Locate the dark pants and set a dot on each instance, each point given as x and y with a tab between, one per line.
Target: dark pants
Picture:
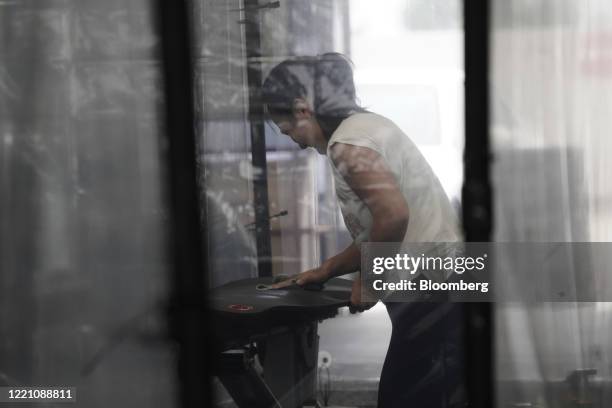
424	367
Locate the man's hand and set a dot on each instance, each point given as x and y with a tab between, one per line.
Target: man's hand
317	275
356	303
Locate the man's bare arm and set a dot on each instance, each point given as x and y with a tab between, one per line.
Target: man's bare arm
367	174
347	261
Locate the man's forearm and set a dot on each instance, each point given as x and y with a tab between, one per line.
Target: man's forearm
389	229
347	261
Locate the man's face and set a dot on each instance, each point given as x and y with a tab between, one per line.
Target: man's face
298	132
302	127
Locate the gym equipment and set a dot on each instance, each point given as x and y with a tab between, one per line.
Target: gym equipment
266	341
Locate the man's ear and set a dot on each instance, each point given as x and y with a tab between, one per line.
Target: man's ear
301	109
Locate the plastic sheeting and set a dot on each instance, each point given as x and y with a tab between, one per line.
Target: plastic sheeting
82	234
551	98
408	66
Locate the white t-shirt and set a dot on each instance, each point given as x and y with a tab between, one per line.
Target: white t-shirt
431	217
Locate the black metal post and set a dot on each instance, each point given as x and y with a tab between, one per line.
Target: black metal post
188	314
252	20
476	194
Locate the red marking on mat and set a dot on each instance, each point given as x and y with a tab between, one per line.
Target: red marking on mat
240	308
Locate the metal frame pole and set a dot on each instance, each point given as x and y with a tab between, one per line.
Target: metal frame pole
188	313
258	142
476	196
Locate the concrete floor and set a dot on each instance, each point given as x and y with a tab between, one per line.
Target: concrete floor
357	343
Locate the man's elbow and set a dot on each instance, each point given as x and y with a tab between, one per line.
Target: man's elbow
401	225
395	225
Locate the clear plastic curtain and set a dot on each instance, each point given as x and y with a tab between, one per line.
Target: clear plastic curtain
407	59
83	269
551	102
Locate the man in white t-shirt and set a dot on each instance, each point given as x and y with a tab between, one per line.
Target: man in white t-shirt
387	193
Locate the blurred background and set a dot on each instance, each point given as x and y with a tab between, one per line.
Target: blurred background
84	247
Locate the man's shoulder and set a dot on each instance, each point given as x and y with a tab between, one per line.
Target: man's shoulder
366	124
